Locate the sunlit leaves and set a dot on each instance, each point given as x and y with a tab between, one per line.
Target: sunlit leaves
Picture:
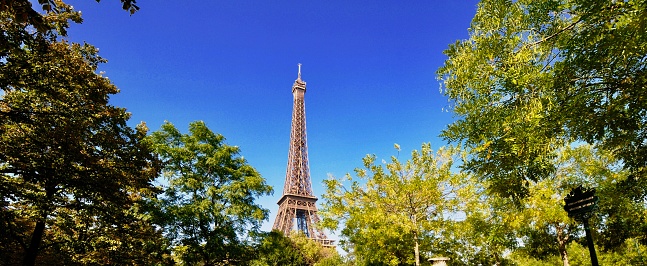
536	75
389	209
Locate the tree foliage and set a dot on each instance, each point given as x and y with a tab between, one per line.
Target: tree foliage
65	153
536	78
22	11
73	174
536	75
276	249
208	207
619	216
486	234
392	213
545	233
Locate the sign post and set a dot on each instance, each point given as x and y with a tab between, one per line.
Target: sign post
580	204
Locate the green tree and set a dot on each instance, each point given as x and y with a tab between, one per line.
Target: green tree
63	148
486	234
392	212
540	220
314	252
208	207
73	175
87	240
620	216
537	75
632	253
276	249
542	224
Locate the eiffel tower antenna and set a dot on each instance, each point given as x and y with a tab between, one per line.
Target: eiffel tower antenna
298	206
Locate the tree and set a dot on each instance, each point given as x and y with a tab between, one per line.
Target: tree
619	216
537	75
542	228
87	240
391	212
540	220
63	148
275	249
23	12
486	234
208	207
313	252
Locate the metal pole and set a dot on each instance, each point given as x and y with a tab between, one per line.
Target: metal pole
589	240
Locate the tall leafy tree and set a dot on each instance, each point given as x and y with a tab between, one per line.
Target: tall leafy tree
72	172
390	213
542	226
63	147
536	75
208	208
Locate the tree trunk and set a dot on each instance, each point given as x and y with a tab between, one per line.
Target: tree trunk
563	254
562	238
416	248
37	235
34	245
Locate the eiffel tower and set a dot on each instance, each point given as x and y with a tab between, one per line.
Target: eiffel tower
298	202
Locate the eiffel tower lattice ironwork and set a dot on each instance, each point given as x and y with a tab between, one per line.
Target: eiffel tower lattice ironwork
298	203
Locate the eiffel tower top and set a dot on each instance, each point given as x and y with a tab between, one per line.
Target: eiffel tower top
299	76
299	83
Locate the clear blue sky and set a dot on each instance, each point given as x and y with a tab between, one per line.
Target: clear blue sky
369	67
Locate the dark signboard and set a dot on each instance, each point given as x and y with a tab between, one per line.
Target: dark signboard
580	201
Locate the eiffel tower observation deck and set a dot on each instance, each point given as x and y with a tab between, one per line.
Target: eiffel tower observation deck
297	206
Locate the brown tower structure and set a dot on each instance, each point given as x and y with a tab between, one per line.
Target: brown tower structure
297	205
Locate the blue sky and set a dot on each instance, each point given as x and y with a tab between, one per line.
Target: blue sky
369	67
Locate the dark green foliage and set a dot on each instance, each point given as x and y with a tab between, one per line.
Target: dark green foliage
539	243
276	249
72	172
602	79
208	208
619	217
64	150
